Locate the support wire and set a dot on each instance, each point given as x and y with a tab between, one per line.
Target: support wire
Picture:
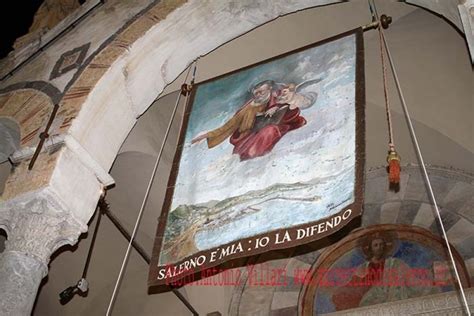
144	255
422	163
145	199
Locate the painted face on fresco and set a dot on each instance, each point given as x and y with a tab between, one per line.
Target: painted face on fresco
378	248
262	94
285	91
286	95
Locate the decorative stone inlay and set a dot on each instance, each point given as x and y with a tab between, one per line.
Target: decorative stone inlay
69	60
37	224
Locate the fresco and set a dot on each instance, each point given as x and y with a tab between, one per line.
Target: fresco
382	266
268	147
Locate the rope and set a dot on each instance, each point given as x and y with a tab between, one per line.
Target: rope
422	163
391	143
145	199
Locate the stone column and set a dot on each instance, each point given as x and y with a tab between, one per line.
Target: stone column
36	226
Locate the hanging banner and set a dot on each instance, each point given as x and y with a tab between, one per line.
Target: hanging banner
269	157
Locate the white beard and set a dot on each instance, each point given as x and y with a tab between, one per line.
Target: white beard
260	101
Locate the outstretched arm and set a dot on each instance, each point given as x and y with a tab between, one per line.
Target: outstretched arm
218	135
199	138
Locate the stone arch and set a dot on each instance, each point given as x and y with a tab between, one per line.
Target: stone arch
410	206
41	86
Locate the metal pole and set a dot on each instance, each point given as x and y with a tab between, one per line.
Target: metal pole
91	247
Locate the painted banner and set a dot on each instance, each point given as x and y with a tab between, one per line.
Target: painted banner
269	157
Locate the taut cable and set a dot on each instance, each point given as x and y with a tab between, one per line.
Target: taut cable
145	199
422	163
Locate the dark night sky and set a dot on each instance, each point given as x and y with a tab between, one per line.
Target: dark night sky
16	17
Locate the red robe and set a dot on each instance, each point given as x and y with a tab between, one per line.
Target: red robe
250	143
349	295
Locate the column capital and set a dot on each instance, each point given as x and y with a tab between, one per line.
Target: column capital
37	224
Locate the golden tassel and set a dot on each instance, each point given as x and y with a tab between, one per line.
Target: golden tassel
393	160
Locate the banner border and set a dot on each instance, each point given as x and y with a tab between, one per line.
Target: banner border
318	240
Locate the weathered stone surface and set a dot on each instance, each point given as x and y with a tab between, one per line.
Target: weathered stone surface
256	301
459	195
294	266
466	247
417	188
37	224
467	209
80	196
425	215
20	276
460	231
284	299
9	138
408	212
389	212
288	311
376	188
21	180
371	214
470	267
448	218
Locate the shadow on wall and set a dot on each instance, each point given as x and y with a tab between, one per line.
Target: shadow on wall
9	138
3	237
9	143
4	172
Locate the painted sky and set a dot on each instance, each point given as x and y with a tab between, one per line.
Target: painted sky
321	148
